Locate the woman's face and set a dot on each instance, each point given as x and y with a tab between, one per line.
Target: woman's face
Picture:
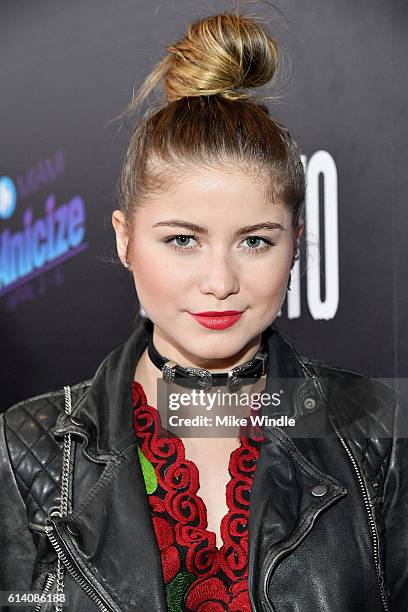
194	249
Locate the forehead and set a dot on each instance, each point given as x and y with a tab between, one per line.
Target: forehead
214	196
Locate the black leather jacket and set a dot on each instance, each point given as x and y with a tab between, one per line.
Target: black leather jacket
343	549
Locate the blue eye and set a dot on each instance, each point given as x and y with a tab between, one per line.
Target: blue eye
253	238
184	240
254	249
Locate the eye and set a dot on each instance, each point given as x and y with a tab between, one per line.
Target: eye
183	241
254	244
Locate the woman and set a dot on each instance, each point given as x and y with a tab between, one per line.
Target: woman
306	513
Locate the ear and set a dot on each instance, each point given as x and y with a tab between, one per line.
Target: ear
122	234
299	230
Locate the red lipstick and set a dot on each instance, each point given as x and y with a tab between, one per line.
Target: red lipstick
215	319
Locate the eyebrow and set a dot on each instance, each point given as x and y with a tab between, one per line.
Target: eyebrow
268	225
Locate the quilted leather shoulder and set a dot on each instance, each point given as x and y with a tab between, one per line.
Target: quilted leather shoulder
364	408
35	454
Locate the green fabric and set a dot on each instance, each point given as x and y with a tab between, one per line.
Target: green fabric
149	474
176	589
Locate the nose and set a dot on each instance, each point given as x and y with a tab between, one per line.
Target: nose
219	276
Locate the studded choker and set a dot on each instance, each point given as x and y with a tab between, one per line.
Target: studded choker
201	378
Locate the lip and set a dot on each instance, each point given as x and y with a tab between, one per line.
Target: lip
216	319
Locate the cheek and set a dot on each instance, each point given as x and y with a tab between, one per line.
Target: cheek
157	277
266	281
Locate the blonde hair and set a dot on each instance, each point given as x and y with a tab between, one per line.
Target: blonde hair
208	117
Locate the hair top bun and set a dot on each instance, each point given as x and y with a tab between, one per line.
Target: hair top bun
220	54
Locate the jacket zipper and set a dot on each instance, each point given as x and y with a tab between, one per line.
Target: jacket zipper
86	586
47	586
369	513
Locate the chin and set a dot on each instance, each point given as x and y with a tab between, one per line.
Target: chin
217	346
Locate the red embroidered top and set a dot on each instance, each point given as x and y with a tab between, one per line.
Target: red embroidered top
199	576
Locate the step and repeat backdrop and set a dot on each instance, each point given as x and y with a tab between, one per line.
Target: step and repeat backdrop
67	70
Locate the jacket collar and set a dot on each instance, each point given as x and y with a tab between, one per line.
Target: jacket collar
103	415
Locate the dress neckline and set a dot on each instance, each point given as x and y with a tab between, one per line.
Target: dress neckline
167	454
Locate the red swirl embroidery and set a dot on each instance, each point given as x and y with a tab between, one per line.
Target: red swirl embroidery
180	515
